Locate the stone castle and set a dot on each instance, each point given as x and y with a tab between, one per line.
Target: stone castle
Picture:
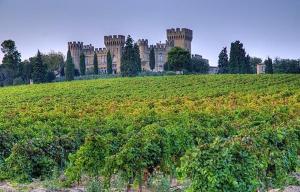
175	38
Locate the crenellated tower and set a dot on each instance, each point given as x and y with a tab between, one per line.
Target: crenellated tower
181	37
76	49
144	53
115	45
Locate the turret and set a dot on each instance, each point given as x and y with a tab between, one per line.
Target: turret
115	44
76	49
181	37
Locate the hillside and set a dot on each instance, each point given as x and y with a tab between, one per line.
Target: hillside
237	132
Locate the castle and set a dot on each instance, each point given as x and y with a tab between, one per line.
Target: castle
115	44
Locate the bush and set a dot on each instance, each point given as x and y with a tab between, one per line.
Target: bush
50	76
94	186
18	81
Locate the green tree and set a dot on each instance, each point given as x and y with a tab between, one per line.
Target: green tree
199	64
12	58
253	62
128	60
95	63
269	65
237	58
152	59
137	58
223	63
179	59
247	66
286	66
82	64
69	72
109	63
39	69
53	60
27	70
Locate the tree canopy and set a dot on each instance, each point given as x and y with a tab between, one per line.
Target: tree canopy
179	59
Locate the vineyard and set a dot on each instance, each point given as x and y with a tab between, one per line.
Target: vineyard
214	132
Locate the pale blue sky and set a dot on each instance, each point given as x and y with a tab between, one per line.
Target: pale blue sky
266	27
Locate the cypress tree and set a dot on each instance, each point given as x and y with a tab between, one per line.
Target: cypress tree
69	67
39	69
223	63
137	58
82	64
237	58
128	60
152	59
247	65
109	63
96	70
269	66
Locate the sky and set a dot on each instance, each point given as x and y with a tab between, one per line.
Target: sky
267	28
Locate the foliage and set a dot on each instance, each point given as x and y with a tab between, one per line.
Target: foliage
95	64
130	61
253	62
199	64
238	62
94	186
69	71
286	66
12	58
39	70
82	64
152	59
223	62
53	60
179	59
269	66
243	128
109	63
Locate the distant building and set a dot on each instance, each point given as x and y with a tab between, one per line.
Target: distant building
213	70
260	68
115	44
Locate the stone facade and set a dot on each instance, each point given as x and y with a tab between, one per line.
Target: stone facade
115	44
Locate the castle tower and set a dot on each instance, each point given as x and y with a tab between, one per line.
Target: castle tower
75	49
144	54
181	37
115	45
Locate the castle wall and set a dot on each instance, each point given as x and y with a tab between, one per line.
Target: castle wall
115	44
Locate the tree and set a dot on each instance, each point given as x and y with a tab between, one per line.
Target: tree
109	63
237	58
179	59
82	64
39	69
286	66
69	72
253	62
199	64
95	63
128	60
26	70
269	65
12	58
247	66
53	60
137	58
223	63
152	59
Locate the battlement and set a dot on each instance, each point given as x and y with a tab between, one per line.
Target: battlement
114	40
75	45
101	50
88	47
143	42
180	33
159	46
